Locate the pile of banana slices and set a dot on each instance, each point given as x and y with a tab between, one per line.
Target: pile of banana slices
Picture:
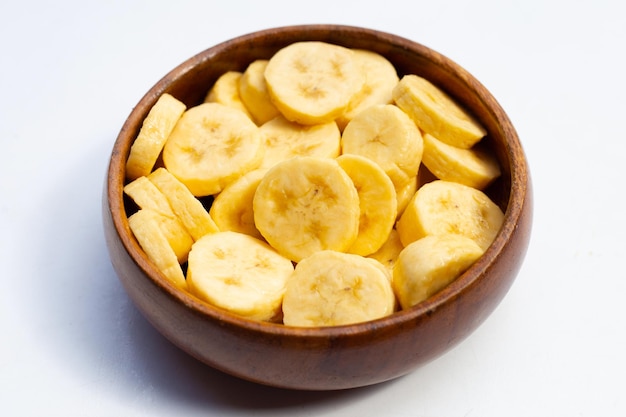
293	193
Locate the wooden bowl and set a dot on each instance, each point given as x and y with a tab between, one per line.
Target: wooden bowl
334	357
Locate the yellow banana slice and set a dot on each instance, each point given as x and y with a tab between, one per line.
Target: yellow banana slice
377	202
148	228
148	197
431	263
437	113
211	146
284	139
475	167
232	208
312	82
389	251
307	204
386	135
238	273
444	207
254	95
155	130
331	288
404	194
225	91
380	79
189	209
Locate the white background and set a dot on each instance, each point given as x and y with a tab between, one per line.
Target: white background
74	345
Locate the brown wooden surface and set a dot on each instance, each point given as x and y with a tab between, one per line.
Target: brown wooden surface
340	357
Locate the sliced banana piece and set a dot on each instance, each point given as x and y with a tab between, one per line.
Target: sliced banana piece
431	263
232	208
380	79
389	251
386	135
150	229
254	95
225	91
377	202
284	139
188	208
444	207
152	136
475	167
148	197
312	82
404	194
331	288
307	204
435	112
211	146
238	273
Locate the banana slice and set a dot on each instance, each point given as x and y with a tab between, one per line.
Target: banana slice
312	82
443	207
389	251
386	135
380	79
307	204
475	167
404	194
377	202
225	91
254	95
150	229
284	139
148	197
211	146
155	130
431	263
238	273
437	113
189	209
331	288
232	208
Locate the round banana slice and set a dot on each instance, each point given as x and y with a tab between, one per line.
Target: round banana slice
387	136
232	208
284	139
377	202
437	113
443	207
225	91
475	167
211	146
332	288
312	82
307	204
431	263
153	233
404	194
238	273
154	132
380	79
254	95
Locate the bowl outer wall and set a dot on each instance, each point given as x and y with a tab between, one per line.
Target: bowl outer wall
345	356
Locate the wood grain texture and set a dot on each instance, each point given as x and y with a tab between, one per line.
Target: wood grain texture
338	357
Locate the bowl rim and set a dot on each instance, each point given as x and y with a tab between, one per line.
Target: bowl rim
514	206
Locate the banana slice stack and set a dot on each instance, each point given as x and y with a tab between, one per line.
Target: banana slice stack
296	192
